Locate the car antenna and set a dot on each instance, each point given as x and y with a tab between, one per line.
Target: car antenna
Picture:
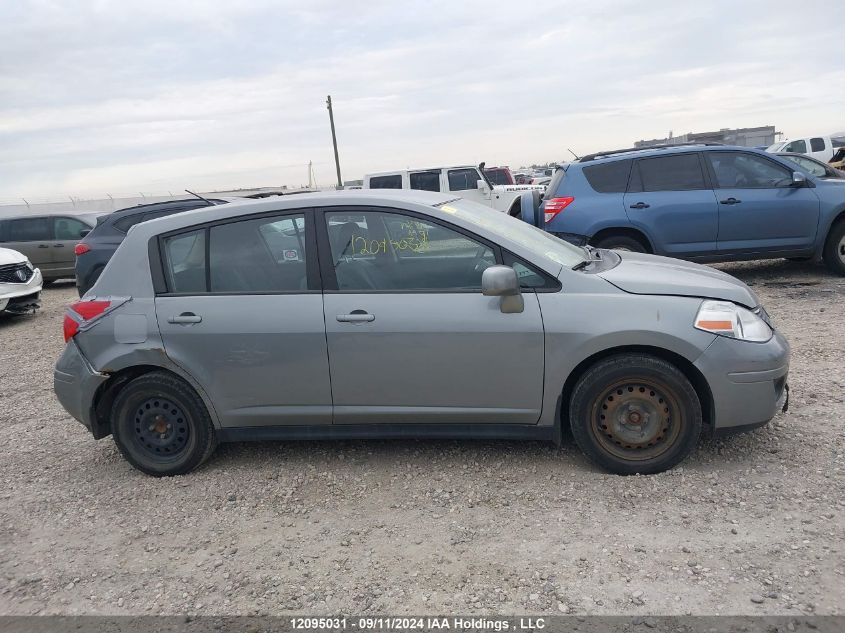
210	203
573	153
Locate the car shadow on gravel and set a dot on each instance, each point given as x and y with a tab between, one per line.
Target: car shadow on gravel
780	272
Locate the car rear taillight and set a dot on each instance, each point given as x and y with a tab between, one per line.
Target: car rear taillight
80	313
81	249
553	206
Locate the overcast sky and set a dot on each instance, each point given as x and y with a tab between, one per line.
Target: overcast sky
122	96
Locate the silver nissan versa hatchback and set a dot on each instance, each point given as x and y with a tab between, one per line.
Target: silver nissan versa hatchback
377	314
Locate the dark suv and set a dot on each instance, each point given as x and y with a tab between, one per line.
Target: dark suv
699	202
96	249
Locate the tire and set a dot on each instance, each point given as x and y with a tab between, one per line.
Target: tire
635	414
622	243
834	249
161	426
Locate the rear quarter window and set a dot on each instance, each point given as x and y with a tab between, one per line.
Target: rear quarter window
386	182
609	177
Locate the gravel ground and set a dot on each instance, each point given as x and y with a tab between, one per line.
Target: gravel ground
753	524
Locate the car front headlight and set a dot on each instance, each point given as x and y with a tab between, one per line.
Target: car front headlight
729	319
28	264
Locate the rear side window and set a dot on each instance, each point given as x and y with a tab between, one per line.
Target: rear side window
817	144
262	255
609	177
28	230
679	172
425	180
185	262
463	179
68	229
386	182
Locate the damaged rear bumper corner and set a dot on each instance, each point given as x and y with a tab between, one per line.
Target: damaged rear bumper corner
75	383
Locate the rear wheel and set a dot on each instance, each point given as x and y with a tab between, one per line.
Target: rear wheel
635	413
620	242
834	248
161	425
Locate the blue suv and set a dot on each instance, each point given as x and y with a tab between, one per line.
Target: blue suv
699	202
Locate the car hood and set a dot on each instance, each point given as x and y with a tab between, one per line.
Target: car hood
518	188
8	256
642	274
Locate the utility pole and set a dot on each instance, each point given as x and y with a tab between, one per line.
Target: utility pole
334	141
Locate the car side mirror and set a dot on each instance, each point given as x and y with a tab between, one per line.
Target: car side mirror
798	179
501	281
84	232
481	185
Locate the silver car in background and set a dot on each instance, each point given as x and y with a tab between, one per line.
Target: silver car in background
382	314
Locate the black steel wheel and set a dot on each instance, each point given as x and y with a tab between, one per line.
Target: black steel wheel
161	426
635	413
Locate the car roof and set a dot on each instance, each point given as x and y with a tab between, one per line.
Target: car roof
660	150
403	171
167	204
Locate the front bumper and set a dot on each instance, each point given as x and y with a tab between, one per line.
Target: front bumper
748	381
75	383
22	298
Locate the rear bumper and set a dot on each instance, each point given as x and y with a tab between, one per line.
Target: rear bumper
75	383
748	381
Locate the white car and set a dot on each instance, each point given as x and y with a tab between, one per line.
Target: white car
20	283
819	147
466	181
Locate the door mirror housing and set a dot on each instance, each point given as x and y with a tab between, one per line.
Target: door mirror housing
798	179
501	281
481	185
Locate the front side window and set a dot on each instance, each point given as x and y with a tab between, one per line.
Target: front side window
463	179
28	230
386	182
817	144
799	147
69	228
807	166
376	251
185	262
425	180
677	172
737	170
260	255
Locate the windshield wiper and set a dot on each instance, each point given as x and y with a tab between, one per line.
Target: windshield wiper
583	264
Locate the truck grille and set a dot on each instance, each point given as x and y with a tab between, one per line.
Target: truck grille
15	274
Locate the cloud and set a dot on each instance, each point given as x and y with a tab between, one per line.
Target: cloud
125	96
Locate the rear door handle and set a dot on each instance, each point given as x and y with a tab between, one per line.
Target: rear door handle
640	205
357	316
185	318
43	246
58	245
730	201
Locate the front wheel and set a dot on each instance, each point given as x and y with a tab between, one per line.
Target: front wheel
834	249
161	426
635	413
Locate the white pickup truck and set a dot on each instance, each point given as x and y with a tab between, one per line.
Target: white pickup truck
819	147
466	181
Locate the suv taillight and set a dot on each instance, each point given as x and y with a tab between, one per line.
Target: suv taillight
81	249
84	311
553	206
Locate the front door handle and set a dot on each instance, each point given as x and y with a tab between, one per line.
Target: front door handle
356	316
185	318
730	201
640	205
43	246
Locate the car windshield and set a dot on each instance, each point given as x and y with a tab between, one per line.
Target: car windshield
527	236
